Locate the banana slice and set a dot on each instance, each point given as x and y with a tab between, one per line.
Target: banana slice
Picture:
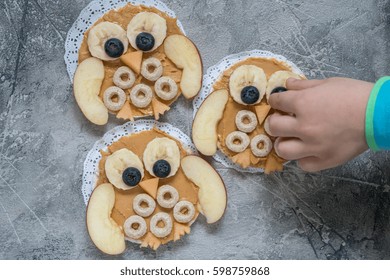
247	84
107	41
146	31
278	80
162	157
122	167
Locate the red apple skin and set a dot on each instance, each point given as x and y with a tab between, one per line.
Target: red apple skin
224	185
86	225
192	128
201	66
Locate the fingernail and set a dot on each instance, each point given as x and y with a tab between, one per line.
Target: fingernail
266	126
291	80
276	146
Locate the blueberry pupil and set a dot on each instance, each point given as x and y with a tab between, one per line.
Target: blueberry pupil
161	168
114	47
250	94
131	176
144	41
278	89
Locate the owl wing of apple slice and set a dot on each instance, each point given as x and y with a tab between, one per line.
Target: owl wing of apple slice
204	127
184	54
212	192
105	233
86	86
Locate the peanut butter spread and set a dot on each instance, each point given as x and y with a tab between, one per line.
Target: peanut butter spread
124	199
227	124
122	17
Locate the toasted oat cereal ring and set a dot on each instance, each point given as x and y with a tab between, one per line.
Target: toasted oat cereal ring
135	227
109	101
141	95
167	196
237	141
165	82
151	69
261	145
124	77
184	211
246	121
156	221
139	203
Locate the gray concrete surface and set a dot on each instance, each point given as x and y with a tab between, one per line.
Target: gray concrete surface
338	214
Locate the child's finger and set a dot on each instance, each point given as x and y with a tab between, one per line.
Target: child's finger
281	125
284	101
291	148
296	84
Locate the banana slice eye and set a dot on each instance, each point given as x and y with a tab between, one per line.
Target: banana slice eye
277	82
107	41
146	31
124	169
247	84
162	157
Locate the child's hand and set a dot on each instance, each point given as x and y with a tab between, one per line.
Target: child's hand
325	126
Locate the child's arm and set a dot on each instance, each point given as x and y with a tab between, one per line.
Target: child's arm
327	122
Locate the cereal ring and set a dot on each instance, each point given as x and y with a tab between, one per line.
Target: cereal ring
124	77
108	96
246	121
135	227
141	210
167	196
237	141
165	82
161	231
151	69
141	95
189	213
266	145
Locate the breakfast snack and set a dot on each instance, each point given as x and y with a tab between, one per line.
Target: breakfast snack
134	61
233	106
149	189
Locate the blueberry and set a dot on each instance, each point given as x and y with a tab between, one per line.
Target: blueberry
114	47
278	89
250	95
131	176
161	168
144	41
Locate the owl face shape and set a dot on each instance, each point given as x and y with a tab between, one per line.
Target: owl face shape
155	190
238	109
135	62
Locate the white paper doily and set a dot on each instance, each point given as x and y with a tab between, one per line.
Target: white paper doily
214	73
91	163
89	15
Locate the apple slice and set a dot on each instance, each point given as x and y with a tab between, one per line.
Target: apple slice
103	230
262	112
185	55
133	60
126	113
150	186
159	108
204	127
87	82
212	192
